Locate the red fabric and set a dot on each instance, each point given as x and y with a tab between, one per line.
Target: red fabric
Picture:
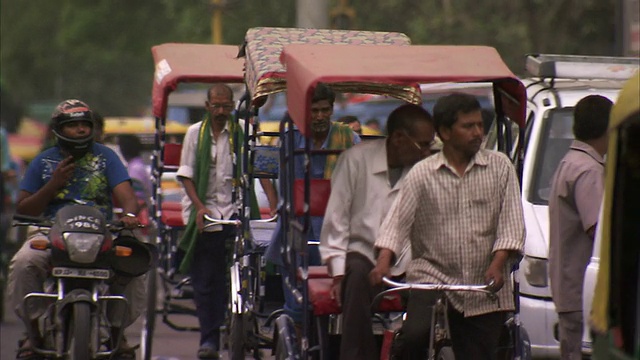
320	189
172	154
309	64
320	297
183	63
391	303
172	214
318	272
172	218
387	341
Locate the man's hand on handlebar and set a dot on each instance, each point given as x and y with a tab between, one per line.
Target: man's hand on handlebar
200	217
493	277
336	289
382	268
130	222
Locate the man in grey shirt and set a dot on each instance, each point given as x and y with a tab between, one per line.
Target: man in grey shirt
574	203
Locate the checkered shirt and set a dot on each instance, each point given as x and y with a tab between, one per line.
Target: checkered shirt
456	223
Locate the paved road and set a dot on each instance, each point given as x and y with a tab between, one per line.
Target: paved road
169	344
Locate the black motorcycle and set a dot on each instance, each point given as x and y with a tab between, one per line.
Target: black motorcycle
87	265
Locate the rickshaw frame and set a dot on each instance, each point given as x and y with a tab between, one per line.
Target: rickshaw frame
177	63
367	68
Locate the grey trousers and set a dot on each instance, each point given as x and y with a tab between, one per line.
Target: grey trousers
570	329
29	269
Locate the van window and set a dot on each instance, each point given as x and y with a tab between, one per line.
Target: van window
555	141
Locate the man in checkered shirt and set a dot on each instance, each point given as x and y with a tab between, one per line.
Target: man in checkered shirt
462	213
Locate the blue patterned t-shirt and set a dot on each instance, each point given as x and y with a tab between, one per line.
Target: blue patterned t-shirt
95	176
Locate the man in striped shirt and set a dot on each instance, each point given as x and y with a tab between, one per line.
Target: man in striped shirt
461	211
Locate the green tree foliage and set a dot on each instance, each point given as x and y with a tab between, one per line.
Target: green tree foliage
99	50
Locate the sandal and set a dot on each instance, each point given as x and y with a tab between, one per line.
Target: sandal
26	352
208	351
126	351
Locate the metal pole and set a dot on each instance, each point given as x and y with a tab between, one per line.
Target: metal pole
216	22
312	14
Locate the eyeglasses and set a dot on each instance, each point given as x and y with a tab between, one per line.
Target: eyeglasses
225	107
423	146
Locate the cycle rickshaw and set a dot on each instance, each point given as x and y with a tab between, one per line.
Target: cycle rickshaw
395	71
176	64
265	75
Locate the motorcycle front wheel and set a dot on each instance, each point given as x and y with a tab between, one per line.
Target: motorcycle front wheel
79	332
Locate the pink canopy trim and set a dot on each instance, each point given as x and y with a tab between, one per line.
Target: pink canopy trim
176	63
372	65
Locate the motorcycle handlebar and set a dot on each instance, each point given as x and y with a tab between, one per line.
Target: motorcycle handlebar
28	220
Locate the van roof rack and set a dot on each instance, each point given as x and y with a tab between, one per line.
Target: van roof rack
581	67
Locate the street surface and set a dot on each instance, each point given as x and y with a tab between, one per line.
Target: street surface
169	344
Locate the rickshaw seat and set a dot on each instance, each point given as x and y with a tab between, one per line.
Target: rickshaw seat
172	214
391	303
320	297
171	157
319	191
318	272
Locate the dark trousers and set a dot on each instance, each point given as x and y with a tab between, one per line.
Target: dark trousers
474	337
358	341
208	278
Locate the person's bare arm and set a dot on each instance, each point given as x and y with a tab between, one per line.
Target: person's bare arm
272	195
198	206
34	203
383	266
125	196
496	268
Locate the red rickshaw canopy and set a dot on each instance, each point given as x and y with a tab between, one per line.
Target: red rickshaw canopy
371	66
202	63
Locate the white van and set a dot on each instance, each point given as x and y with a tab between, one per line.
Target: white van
560	82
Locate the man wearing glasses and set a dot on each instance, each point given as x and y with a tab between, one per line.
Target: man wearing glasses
365	181
206	173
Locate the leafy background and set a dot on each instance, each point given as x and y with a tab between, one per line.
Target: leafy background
99	50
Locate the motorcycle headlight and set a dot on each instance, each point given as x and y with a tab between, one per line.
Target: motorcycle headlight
83	247
535	271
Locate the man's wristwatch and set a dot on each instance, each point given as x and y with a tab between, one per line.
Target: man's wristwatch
130	215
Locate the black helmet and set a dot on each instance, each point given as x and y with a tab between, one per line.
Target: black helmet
68	111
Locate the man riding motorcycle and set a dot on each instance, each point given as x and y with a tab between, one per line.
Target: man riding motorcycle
75	171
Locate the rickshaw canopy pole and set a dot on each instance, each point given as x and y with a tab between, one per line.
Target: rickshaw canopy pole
202	63
372	65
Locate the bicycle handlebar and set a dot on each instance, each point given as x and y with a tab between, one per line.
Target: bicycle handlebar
214	221
397	286
271	219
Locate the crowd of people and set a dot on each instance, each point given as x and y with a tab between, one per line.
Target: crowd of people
452	217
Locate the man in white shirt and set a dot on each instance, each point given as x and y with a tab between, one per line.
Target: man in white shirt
365	182
206	172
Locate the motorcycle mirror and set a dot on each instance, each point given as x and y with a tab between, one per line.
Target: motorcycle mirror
39	244
123	251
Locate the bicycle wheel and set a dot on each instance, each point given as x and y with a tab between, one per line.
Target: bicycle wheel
79	332
286	344
237	341
149	320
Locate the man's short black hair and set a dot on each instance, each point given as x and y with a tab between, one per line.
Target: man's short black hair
404	118
130	146
591	117
445	113
323	92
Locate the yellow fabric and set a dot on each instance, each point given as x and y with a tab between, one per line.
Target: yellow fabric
627	104
340	137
